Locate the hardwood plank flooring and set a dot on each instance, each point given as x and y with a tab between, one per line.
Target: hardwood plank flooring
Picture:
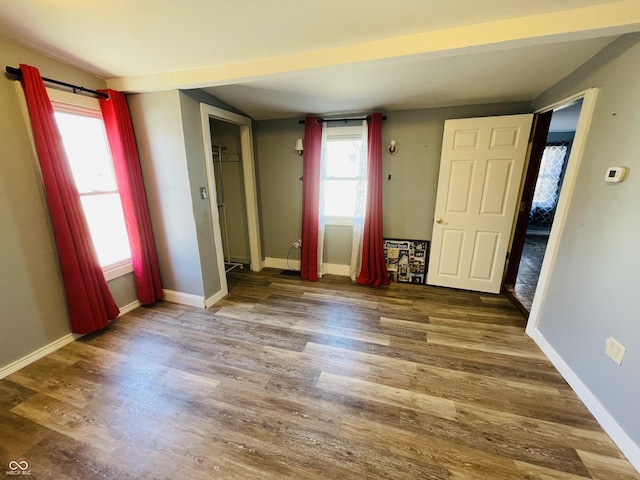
285	379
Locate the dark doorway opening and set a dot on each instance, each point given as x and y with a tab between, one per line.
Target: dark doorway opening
553	137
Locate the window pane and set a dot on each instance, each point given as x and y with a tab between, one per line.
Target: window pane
340	198
87	150
106	223
343	158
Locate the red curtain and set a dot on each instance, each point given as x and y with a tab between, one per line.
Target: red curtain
88	298
117	122
310	198
374	269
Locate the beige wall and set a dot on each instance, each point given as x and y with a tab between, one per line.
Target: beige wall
32	305
408	197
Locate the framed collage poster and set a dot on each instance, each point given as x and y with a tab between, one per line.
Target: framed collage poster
406	260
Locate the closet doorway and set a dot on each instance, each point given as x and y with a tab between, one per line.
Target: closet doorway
231	182
230	195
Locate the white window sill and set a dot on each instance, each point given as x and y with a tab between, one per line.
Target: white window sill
118	270
344	221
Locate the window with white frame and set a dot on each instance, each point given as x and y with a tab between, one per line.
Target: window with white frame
82	130
343	173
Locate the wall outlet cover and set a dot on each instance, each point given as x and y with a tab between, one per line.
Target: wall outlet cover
614	350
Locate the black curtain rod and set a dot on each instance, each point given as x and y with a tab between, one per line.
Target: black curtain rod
16	72
323	120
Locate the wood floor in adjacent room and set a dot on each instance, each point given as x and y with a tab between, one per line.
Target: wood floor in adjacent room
292	380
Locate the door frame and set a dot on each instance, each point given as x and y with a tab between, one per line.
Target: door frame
249	177
540	132
564	200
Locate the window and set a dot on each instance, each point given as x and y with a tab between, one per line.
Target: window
550	175
344	173
87	148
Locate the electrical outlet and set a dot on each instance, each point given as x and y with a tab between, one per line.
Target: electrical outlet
297	243
614	350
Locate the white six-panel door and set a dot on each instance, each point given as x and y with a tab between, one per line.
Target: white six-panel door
478	185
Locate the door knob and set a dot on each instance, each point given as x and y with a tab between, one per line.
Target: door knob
440	220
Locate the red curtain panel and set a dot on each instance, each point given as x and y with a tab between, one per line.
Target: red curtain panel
88	298
310	198
117	122
374	269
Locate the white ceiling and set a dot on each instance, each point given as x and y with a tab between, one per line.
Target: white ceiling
278	58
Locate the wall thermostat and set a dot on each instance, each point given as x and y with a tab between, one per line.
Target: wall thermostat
615	174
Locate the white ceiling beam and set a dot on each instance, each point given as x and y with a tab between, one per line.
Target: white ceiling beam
595	21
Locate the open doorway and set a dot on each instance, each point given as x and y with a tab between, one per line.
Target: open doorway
232	149
542	189
230	194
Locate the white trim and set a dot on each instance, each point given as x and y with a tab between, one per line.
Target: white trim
129	307
248	173
118	271
336	269
564	200
69	98
327	268
271	262
38	354
339	221
184	298
630	449
213	299
213	202
341	132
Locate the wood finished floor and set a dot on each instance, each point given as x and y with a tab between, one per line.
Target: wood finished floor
292	380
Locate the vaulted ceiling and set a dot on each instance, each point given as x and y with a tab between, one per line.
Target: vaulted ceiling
277	58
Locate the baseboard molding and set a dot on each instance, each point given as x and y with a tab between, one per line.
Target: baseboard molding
270	262
336	269
213	299
127	308
38	354
193	300
183	298
630	449
330	268
53	346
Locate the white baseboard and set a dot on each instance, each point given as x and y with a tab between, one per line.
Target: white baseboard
38	354
183	298
127	308
330	268
270	262
53	346
213	299
336	269
604	418
193	300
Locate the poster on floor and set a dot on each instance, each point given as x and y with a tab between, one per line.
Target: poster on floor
406	260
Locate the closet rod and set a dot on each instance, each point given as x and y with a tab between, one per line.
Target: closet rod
16	72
